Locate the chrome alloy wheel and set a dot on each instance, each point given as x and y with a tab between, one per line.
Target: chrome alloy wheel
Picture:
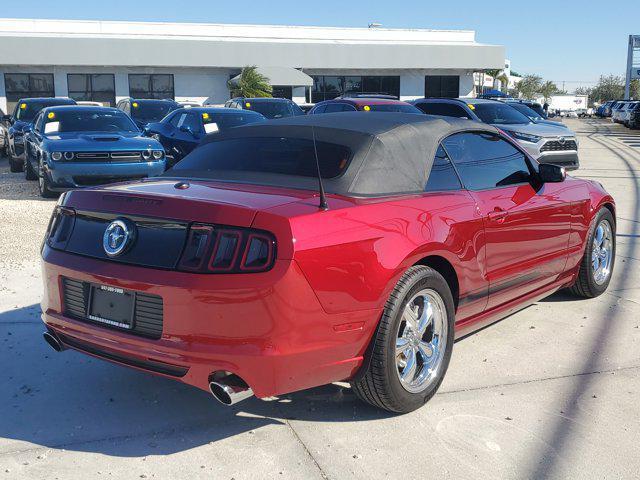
421	340
601	252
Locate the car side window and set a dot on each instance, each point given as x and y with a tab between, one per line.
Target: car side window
174	121
334	107
485	160
442	176
192	122
37	124
320	109
443	109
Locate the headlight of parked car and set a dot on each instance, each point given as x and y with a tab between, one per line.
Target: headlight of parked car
158	154
69	155
525	137
56	156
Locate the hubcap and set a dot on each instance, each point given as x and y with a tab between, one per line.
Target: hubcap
421	340
601	252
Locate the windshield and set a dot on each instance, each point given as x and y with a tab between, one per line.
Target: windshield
392	108
27	111
529	112
229	120
499	113
150	111
90	121
263	155
270	109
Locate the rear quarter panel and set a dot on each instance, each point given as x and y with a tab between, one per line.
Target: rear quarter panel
354	253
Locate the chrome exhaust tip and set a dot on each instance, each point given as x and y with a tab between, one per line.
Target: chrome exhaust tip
53	341
230	390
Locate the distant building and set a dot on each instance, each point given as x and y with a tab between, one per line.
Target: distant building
108	61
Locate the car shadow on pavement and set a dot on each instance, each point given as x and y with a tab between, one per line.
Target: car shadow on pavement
559	435
75	402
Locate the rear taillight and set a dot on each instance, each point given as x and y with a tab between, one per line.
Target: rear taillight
60	227
218	249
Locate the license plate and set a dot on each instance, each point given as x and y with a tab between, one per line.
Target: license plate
111	306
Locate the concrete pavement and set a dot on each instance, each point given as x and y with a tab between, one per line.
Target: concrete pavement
550	392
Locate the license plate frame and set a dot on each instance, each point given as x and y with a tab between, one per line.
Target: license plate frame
111	306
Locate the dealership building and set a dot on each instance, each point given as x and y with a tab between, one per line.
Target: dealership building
107	61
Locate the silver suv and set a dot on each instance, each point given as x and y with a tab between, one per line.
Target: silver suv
545	143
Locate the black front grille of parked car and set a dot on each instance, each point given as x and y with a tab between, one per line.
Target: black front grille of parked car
148	311
119	157
557	146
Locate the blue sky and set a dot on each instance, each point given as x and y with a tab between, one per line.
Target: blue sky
561	40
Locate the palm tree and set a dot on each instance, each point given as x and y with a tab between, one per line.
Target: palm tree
548	89
251	84
504	80
494	73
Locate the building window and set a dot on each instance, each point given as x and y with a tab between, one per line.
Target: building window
442	86
282	92
327	87
99	87
27	85
151	86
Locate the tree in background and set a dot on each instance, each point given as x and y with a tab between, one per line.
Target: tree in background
529	87
251	84
548	89
611	87
504	80
493	73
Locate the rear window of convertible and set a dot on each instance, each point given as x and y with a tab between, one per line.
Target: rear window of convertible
273	155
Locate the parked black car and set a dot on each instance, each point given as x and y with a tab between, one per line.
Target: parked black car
181	130
269	107
145	110
634	117
4	135
21	122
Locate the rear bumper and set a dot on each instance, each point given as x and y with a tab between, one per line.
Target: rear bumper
63	176
267	328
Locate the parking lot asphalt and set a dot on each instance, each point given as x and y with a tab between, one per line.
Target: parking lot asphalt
550	392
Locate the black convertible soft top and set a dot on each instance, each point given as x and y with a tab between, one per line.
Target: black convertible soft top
392	153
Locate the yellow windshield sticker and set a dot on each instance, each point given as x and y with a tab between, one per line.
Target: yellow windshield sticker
134	104
471	106
248	105
205	116
51	115
23	106
366	108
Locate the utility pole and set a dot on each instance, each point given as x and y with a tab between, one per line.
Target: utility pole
627	84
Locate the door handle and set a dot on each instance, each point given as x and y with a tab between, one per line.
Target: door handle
498	215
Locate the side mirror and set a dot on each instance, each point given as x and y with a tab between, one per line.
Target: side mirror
550	173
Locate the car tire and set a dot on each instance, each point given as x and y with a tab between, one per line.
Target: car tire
599	257
15	165
29	174
386	379
43	185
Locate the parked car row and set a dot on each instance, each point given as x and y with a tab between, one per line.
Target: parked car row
626	112
64	145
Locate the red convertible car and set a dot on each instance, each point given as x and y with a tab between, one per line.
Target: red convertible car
236	273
